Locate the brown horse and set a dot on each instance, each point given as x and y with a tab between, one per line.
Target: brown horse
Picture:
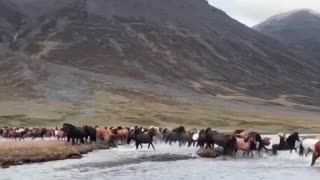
316	153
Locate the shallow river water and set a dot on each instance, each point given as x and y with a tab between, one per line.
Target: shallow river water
169	163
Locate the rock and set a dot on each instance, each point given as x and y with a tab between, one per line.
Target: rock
207	153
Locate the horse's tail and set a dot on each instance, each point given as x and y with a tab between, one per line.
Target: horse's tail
301	149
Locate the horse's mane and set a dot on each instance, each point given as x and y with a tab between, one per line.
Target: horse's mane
293	136
68	124
208	130
181	129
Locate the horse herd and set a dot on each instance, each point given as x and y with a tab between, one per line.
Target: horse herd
240	140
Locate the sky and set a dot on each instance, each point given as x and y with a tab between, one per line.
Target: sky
252	12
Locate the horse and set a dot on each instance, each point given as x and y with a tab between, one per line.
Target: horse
73	133
20	133
122	134
173	136
245	143
201	139
260	143
227	142
316	153
60	135
307	146
144	138
131	136
107	136
38	133
286	144
91	133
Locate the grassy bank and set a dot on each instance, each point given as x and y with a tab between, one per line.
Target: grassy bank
24	152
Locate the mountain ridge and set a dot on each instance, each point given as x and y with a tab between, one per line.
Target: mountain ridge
79	53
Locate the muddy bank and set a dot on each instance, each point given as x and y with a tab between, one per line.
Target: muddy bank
18	153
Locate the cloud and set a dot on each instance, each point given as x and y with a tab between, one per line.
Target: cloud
251	12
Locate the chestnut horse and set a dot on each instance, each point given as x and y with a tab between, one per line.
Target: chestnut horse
106	135
245	139
316	153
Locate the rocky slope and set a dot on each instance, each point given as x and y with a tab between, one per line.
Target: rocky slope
298	29
79	52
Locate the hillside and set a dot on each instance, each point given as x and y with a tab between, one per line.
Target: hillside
146	62
298	29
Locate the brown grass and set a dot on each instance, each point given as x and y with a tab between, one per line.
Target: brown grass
17	153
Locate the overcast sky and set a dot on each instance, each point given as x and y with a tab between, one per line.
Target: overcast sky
251	12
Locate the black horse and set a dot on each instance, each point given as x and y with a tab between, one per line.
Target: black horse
260	141
286	144
90	132
74	133
144	138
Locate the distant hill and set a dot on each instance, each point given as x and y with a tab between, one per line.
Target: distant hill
299	29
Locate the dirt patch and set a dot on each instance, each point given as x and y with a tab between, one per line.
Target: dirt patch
18	153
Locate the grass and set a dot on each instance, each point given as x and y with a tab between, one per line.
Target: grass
125	108
22	152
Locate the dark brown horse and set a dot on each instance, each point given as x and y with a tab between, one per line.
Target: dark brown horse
75	134
144	138
38	133
227	142
316	153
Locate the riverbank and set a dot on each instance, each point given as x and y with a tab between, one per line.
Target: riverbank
14	153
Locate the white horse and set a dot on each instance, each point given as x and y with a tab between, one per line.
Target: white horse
307	146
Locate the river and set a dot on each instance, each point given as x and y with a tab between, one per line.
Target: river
169	163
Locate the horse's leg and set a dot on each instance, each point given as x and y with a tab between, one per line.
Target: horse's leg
274	149
308	151
149	146
244	153
153	146
141	145
137	145
315	156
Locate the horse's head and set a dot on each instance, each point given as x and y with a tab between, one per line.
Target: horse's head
153	132
208	130
296	136
67	128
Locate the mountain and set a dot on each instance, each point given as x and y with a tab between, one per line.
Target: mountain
135	60
298	29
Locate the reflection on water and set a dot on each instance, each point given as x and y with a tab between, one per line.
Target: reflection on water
170	163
